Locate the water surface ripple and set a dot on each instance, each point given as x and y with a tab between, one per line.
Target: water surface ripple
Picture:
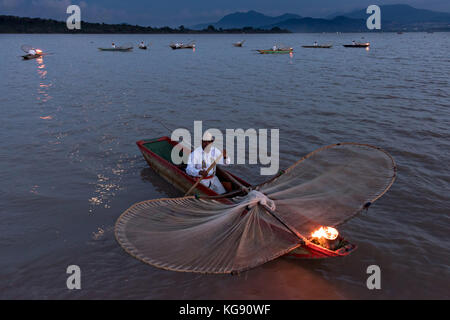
70	166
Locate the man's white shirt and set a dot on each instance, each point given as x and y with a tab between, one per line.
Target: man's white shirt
201	160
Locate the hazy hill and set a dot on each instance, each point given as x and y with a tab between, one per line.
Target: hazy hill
402	13
338	24
12	24
393	18
246	19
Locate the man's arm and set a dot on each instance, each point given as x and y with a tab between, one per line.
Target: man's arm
191	169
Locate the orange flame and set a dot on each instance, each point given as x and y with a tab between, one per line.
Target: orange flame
325	232
38	51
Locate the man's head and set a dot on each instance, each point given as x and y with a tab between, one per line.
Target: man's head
207	140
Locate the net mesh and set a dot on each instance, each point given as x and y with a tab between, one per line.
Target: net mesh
331	185
326	187
188	234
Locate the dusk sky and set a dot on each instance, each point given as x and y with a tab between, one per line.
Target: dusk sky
177	12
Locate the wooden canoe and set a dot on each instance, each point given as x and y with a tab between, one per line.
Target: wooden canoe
323	46
357	45
157	153
116	49
184	46
270	51
31	56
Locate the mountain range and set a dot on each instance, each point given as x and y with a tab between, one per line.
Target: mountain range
246	19
399	17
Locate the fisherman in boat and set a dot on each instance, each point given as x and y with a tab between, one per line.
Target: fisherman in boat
353	42
142	45
32	51
274	48
201	159
315	43
113	45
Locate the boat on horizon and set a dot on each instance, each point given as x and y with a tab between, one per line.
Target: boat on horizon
357	45
31	53
176	46
120	49
31	56
319	46
276	51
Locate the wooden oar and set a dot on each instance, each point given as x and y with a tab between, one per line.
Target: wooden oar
207	172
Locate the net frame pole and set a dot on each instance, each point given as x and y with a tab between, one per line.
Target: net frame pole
292	230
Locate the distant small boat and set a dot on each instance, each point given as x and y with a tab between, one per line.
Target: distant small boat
142	45
277	51
239	44
31	56
323	46
122	49
357	45
31	53
176	46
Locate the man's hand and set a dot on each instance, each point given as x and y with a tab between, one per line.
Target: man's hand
224	152
203	173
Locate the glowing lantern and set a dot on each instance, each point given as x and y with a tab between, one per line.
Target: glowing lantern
325	232
327	237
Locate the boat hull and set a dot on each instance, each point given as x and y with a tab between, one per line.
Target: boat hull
31	56
158	161
318	47
275	51
174	47
116	49
358	45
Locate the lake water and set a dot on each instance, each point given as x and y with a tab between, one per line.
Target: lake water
70	166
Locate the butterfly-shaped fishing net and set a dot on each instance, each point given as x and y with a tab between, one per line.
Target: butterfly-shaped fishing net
326	187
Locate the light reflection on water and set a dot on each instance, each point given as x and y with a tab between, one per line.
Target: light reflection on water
43	95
